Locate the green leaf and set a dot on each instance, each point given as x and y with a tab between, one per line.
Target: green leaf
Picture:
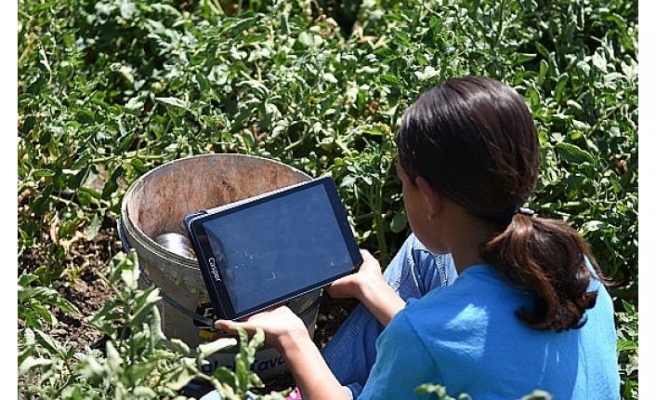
180	378
399	222
85	117
179	346
521	58
128	9
403	36
79	177
348	181
134	104
42	173
68	229
592	226
542	74
574	153
111	185
146	302
124	143
560	91
389	79
308	39
44	313
204	83
49	343
91	368
599	61
39	205
174	102
31	362
114	360
93	227
157	335
144	391
542	50
131	277
626	345
206	349
143	369
538	395
139	166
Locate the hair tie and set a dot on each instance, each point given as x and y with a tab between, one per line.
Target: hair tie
524	211
509	212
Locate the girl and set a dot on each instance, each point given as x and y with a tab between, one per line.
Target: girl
528	310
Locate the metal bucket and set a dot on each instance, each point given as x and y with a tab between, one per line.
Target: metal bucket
156	203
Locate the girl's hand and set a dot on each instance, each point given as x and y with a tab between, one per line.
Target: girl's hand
369	287
351	285
287	334
278	324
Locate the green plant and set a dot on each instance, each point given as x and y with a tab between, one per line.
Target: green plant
627	346
438	392
138	361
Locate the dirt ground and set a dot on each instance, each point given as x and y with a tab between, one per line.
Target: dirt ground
89	293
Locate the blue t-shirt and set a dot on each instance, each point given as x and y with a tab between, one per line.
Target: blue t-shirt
467	338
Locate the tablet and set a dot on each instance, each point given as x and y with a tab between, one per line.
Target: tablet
266	250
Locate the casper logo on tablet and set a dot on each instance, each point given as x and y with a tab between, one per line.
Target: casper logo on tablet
213	269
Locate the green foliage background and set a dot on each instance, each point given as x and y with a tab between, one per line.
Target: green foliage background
110	89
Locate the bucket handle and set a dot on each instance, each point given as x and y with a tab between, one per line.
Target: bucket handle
146	278
173	302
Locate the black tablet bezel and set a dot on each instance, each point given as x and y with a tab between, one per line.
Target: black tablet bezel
209	262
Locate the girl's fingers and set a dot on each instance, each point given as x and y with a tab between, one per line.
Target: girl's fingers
268	320
228	326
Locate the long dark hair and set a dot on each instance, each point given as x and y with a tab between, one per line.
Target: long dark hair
474	140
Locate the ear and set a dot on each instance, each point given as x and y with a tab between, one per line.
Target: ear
432	198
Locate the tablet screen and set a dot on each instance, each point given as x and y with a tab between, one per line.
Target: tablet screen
279	246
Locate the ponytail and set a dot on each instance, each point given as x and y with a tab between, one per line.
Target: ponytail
547	258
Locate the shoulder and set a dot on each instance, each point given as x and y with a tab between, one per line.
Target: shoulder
477	285
461	312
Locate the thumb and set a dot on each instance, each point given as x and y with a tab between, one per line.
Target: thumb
366	255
